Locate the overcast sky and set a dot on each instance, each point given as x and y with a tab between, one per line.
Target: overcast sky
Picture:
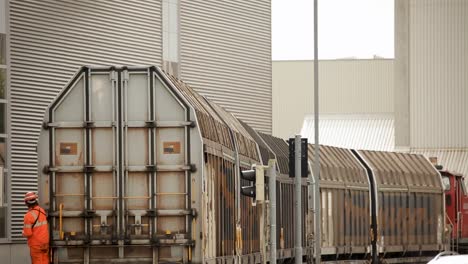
347	28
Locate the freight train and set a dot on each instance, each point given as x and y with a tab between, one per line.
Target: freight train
137	167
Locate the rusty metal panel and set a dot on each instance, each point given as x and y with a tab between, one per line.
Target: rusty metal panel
219	122
410	210
281	150
212	127
339	167
265	151
119	169
225	188
345	202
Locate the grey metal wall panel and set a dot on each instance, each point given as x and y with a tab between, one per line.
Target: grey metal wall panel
368	132
347	86
50	40
226	46
438	69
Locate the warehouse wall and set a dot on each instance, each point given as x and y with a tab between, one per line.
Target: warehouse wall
438	66
49	41
345	87
431	81
224	52
226	55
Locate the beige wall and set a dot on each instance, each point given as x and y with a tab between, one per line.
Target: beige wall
226	55
345	87
438	67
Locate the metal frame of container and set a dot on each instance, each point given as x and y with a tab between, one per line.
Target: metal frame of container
344	187
409	213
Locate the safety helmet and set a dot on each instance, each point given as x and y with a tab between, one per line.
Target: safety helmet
30	198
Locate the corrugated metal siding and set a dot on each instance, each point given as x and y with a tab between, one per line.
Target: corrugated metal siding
339	166
369	132
281	150
226	46
438	73
265	151
346	87
50	40
452	160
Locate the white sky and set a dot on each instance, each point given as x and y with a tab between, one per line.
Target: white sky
347	28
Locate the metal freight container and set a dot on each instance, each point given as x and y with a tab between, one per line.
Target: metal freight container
410	211
345	203
137	167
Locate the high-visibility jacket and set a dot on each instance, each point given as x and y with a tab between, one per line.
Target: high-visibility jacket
35	226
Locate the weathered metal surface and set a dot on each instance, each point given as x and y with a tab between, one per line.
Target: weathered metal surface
345	202
148	170
281	150
117	183
265	151
216	124
410	210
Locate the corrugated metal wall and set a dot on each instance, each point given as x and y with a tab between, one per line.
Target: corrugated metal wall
346	87
438	66
366	132
226	46
50	40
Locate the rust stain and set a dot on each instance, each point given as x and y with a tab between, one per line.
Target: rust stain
68	148
172	147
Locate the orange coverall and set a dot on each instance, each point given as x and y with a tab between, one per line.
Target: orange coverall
36	230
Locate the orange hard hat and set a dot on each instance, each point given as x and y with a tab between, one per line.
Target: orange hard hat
30	197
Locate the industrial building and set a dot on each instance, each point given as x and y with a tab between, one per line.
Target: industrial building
208	44
348	87
419	103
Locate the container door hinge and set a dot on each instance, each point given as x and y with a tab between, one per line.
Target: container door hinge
47	169
193	168
88	169
88	124
89	214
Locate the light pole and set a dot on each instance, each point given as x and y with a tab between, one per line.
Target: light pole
318	233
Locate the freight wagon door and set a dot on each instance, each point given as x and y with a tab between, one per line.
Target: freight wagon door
118	170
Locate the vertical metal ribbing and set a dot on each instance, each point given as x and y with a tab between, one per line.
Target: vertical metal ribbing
272	189
152	84
125	156
88	220
298	201
52	174
53	204
115	135
152	152
119	155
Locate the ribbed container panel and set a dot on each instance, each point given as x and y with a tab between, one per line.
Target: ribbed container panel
50	40
226	55
451	160
438	65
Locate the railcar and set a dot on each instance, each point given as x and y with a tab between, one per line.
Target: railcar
137	167
456	204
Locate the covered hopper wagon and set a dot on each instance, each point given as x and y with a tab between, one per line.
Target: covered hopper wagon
136	167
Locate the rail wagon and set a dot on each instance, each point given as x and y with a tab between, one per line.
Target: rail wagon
136	167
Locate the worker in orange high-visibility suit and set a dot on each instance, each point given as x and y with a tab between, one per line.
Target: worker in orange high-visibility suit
36	230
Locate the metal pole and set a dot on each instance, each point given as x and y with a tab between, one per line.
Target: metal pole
318	232
298	216
272	188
